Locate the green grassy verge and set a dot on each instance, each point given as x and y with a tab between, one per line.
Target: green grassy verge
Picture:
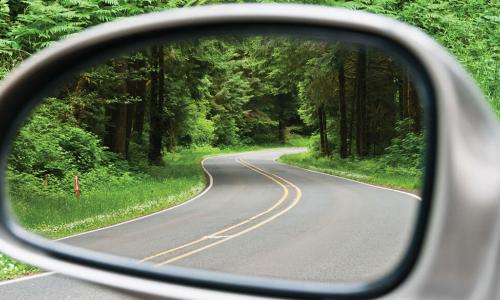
116	200
366	170
10	268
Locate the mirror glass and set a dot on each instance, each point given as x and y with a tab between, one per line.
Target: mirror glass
264	155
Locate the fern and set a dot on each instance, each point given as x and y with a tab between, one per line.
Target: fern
111	2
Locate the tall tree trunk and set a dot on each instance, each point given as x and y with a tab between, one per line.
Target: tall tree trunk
352	120
325	131
132	91
406	90
140	110
416	112
161	82
77	108
281	103
116	127
155	134
120	118
109	126
343	111
115	138
401	97
361	121
411	104
139	91
130	121
321	131
323	136
161	96
119	143
281	131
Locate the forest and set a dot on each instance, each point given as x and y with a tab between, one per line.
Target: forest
137	126
223	92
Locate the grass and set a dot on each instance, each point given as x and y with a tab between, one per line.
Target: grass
55	215
10	268
366	170
115	200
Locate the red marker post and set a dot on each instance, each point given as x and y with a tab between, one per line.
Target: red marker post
77	189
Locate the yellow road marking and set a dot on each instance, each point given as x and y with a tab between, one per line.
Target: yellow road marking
295	201
280	200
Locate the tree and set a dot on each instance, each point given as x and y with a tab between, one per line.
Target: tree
361	116
156	104
342	106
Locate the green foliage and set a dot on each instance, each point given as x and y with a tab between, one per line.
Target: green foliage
314	143
406	149
226	131
10	268
110	194
202	131
50	145
468	28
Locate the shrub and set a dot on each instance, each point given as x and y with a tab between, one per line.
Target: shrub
406	149
46	146
226	131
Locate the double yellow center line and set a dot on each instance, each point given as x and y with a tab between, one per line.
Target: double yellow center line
238	229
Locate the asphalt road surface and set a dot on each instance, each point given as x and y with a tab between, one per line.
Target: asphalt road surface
258	217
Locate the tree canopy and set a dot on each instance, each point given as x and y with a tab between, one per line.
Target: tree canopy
469	29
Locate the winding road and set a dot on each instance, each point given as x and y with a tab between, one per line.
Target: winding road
257	217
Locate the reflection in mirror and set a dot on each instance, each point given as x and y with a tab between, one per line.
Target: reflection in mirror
220	130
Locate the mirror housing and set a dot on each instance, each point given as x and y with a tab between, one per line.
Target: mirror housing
463	135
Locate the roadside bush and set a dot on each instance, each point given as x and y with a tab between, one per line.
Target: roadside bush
202	131
50	150
138	156
314	144
226	131
51	144
406	149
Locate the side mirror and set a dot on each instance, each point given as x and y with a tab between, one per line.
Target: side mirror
362	78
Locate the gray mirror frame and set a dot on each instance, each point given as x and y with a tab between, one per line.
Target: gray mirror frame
452	89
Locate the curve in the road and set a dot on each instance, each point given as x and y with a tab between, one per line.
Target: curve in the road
224	238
